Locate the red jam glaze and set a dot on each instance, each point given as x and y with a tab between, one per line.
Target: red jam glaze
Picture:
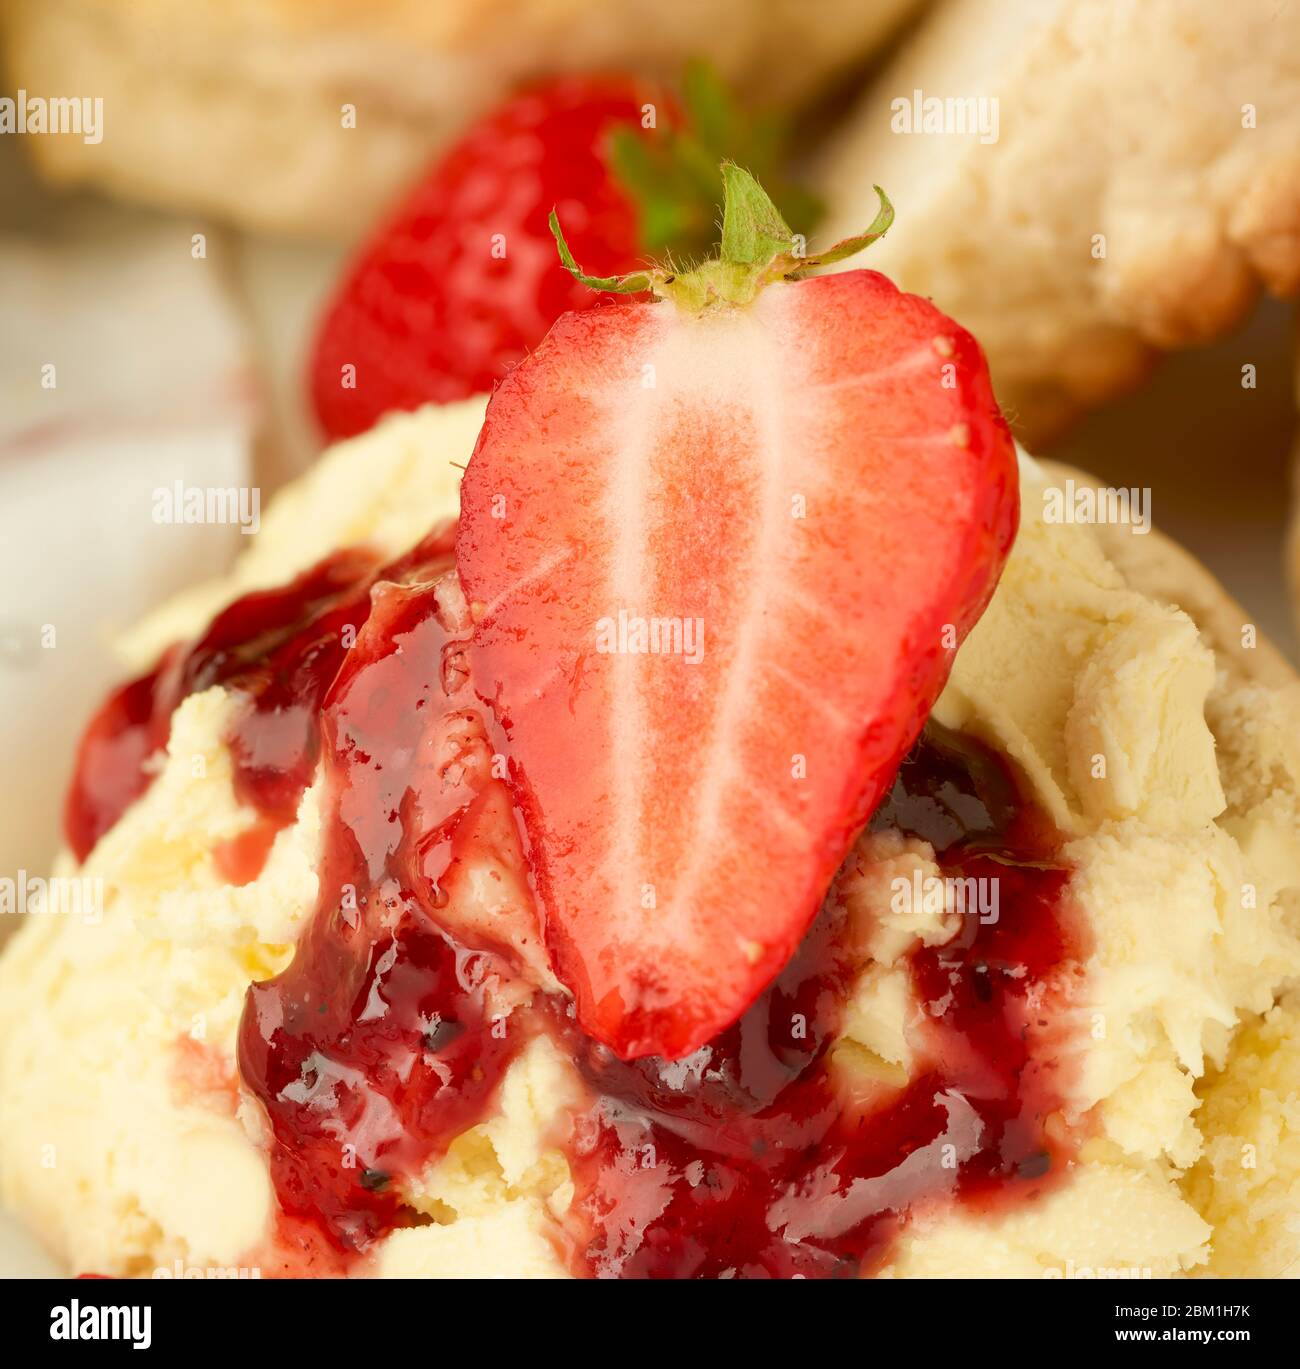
384	1038
278	650
389	1032
110	771
758	1158
241	859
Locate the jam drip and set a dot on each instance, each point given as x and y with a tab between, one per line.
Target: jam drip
386	1036
277	650
769	1152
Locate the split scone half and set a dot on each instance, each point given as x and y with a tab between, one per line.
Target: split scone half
1082	183
235	110
1152	729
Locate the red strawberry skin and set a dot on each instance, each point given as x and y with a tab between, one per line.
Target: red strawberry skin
427	312
805	478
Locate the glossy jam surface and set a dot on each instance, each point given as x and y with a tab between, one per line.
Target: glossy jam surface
386	1037
777	1150
277	650
768	1155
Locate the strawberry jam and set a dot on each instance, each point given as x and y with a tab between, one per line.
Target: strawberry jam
779	1149
387	1036
277	650
766	1154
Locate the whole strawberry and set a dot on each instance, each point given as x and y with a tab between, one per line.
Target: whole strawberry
462	280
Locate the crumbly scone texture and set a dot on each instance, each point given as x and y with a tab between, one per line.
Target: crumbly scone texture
1246	1181
234	108
1143	185
127	1143
1163	737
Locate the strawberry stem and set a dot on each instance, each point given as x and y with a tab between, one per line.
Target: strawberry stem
757	248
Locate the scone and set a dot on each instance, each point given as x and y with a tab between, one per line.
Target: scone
238	110
1114	750
1084	183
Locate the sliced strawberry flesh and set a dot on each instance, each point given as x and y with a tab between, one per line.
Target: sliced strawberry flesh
822	486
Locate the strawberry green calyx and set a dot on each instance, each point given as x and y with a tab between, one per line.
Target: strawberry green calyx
757	248
672	178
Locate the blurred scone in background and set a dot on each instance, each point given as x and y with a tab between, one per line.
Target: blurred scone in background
236	108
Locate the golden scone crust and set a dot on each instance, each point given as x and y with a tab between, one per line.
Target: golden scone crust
233	107
1165	135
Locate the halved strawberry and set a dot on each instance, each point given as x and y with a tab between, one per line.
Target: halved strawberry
809	486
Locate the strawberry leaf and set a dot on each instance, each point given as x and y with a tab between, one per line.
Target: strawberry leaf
850	246
710	112
672	178
674	209
632	284
753	231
